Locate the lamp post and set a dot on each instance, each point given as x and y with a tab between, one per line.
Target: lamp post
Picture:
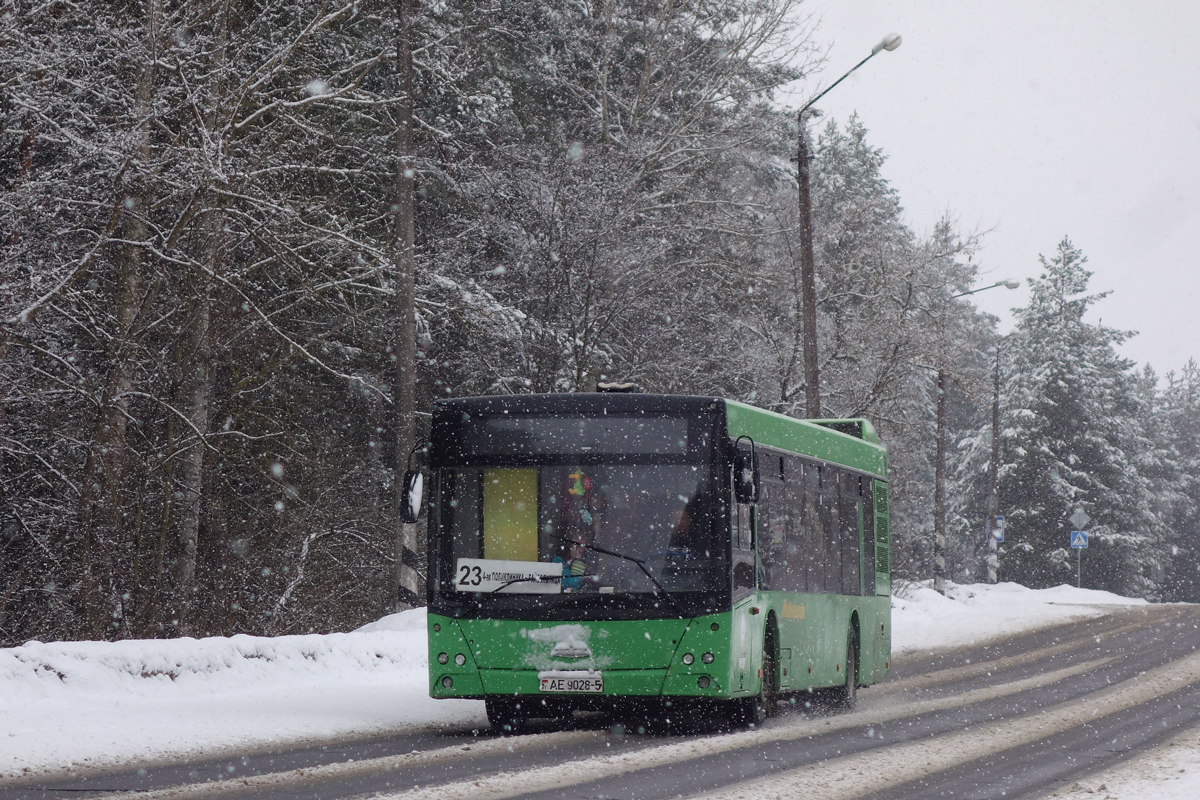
939	468
808	278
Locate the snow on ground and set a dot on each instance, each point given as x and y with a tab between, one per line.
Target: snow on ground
79	706
86	706
924	620
1169	772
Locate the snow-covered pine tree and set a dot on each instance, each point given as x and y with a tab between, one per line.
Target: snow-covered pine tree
1072	432
1177	432
593	204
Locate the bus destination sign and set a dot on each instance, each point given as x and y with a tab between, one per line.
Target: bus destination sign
507	577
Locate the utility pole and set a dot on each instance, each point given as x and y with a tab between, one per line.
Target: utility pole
993	509
808	280
808	276
939	490
406	579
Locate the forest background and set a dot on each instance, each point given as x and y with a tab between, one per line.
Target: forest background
198	297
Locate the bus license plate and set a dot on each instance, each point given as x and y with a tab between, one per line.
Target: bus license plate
571	682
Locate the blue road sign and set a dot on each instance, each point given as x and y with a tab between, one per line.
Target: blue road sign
1079	540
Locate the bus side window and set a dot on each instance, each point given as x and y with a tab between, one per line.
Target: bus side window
464	508
743	552
762	520
772	535
814	536
868	537
745	530
851	516
830	527
795	548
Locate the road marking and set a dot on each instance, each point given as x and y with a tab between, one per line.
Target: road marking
854	776
511	784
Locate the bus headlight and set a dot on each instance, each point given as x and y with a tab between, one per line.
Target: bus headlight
707	658
688	659
703	682
448	682
443	658
460	659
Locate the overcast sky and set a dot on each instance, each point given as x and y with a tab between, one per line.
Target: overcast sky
1040	120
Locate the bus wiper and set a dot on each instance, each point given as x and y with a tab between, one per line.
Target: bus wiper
506	584
641	565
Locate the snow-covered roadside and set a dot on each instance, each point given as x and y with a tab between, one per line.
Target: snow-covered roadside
924	620
1168	772
86	706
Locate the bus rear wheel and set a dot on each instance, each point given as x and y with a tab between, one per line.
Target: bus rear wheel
846	696
505	714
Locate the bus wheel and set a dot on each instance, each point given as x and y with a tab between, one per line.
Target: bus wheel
505	714
846	696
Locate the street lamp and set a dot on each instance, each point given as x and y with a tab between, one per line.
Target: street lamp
939	468
808	278
1005	284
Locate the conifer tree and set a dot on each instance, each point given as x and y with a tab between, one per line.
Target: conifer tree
1072	437
1177	425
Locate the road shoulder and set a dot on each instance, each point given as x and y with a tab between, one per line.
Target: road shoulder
1170	771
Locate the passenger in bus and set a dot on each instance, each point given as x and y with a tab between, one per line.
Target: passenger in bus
688	522
583	505
574	564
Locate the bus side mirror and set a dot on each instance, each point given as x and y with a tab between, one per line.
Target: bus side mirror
745	478
412	496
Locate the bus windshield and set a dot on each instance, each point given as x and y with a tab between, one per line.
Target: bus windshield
591	529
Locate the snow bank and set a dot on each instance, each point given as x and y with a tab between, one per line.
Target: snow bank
86	704
1168	772
970	614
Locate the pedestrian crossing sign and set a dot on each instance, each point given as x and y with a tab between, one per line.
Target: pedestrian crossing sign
1079	540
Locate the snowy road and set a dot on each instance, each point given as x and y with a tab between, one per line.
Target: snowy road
1025	716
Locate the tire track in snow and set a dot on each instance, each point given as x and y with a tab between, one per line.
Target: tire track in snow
352	769
865	773
512	784
976	669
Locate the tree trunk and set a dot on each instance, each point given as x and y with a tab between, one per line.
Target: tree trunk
25	166
150	605
196	367
100	517
100	521
808	281
406	577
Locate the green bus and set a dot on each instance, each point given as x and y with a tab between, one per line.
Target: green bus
653	553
